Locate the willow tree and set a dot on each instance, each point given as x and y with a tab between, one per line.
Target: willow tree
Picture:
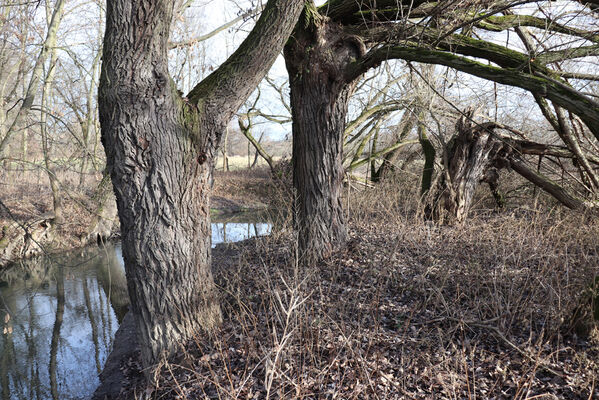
335	44
160	150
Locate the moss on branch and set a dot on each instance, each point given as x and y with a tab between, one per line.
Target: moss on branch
559	93
498	23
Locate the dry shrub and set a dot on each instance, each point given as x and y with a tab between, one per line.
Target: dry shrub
395	199
244	185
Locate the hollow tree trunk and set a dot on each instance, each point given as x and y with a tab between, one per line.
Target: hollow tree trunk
160	150
469	154
316	57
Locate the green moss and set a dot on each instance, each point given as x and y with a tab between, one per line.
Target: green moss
310	16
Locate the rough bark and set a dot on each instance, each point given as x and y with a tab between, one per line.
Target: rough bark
160	184
469	154
491	177
316	57
160	151
477	153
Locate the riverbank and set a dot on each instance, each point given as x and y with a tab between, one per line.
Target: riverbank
28	227
498	308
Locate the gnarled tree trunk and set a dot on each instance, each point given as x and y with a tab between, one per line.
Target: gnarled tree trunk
316	57
469	154
160	150
476	154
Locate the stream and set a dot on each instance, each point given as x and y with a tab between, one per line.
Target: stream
59	314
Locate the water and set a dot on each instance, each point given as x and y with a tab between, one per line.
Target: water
58	317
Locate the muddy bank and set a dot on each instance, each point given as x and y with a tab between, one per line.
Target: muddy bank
28	227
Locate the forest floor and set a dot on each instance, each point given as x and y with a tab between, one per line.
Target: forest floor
498	308
239	191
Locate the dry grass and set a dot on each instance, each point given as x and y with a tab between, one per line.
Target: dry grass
242	183
409	310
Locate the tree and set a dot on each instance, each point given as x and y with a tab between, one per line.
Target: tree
336	43
48	47
316	58
477	152
160	150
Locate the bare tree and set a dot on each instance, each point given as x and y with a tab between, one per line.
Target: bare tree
339	41
36	75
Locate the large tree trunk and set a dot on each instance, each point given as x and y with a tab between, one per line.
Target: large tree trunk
160	150
162	188
316	57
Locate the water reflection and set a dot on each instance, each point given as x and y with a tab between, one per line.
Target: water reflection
235	231
58	317
52	344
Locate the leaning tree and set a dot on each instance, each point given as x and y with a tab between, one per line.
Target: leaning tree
336	43
160	150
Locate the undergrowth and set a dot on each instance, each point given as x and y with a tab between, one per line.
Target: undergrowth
499	307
